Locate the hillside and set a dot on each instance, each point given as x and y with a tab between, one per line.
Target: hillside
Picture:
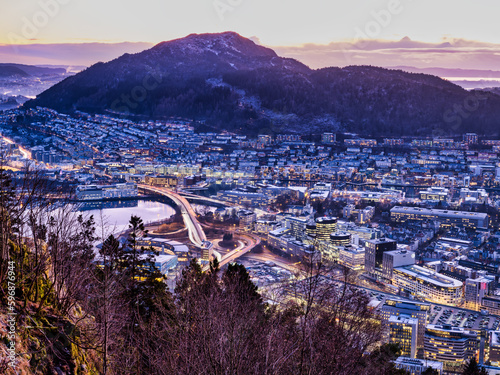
10	70
229	82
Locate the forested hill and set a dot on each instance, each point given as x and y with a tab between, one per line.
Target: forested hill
229	82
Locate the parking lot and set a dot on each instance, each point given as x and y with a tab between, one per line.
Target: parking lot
453	316
462	318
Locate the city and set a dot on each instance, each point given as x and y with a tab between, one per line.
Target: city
231	187
414	220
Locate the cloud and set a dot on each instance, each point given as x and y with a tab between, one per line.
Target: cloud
449	53
84	54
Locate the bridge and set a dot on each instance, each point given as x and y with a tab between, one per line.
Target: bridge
204	200
195	231
196	234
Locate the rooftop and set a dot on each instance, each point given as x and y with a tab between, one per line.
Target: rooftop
430	276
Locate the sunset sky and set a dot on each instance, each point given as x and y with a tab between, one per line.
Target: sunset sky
428	31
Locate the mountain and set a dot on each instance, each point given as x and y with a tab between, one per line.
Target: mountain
18	81
229	82
8	70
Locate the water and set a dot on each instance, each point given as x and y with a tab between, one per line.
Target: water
116	215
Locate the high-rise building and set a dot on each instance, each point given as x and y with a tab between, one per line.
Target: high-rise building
451	345
395	306
311	229
297	226
374	254
324	227
403	330
476	290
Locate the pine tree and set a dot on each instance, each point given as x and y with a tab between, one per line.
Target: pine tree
472	368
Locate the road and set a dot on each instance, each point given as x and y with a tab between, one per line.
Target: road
251	242
195	231
26	153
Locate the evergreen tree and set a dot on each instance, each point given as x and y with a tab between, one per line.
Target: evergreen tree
472	368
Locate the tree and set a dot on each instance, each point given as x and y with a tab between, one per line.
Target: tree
472	368
145	297
106	303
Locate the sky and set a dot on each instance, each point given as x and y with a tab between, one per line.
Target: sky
319	31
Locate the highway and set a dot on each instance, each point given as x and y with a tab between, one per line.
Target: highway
195	231
26	153
251	242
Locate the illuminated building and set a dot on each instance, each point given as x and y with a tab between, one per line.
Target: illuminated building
162	181
324	227
92	192
466	219
428	285
470	138
311	228
417	366
494	352
265	226
449	344
374	255
340	238
396	258
476	290
297	226
474	196
434	194
361	142
352	257
394	142
247	219
403	330
243	198
206	251
328	138
394	306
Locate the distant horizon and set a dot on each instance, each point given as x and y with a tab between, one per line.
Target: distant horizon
447	54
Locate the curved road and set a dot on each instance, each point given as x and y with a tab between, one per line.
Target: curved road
251	240
195	231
